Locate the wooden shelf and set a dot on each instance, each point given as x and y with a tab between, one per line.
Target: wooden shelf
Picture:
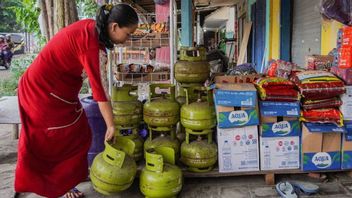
150	40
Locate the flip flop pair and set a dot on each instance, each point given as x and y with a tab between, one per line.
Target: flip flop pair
291	189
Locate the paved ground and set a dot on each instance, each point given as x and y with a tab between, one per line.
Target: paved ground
4	74
338	186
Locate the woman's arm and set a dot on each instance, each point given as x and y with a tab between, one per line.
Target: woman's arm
106	111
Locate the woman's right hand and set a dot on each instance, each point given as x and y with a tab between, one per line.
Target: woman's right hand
110	133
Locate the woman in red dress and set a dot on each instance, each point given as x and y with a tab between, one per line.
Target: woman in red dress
55	135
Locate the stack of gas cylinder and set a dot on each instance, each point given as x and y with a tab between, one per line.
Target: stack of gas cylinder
161	113
198	117
127	110
114	169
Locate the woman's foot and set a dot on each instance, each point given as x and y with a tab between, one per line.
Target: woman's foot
74	193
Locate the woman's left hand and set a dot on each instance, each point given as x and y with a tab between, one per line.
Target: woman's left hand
110	133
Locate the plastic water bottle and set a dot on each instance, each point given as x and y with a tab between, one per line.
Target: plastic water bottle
226	156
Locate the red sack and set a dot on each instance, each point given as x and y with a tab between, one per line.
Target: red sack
321	104
322	116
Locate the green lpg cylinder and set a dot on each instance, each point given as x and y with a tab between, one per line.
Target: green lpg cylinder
125	93
161	109
126	107
133	135
192	66
160	178
162	141
199	115
114	170
199	155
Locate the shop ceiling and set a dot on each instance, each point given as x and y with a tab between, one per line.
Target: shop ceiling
149	5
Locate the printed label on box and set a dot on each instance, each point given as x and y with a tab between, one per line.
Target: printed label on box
346	160
321	161
348	126
324	128
238	118
238	149
234	98
287	109
279	153
280	129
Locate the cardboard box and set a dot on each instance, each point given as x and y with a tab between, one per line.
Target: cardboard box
280	127
238	149
235	95
286	109
321	145
229	117
346	147
346	106
278	153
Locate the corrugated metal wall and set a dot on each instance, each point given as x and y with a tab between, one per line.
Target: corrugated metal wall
306	30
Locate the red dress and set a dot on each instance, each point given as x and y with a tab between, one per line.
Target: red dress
55	135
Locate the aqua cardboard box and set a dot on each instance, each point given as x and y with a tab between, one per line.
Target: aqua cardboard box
238	149
277	153
235	95
280	127
346	148
229	117
285	109
321	146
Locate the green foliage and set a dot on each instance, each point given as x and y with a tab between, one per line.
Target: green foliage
86	8
27	16
8	87
8	16
84	89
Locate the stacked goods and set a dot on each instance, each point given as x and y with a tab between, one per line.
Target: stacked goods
161	113
277	89
237	131
279	127
319	62
127	112
197	113
316	87
199	119
280	68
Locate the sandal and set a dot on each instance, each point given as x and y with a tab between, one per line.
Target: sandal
286	190
305	187
74	193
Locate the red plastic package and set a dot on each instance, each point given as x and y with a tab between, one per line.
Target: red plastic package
315	85
321	104
321	90
322	116
345	57
276	89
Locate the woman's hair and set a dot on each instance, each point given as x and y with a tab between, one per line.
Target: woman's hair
122	14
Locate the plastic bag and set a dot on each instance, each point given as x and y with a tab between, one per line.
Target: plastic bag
339	10
280	68
276	89
315	85
243	69
321	104
322	116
